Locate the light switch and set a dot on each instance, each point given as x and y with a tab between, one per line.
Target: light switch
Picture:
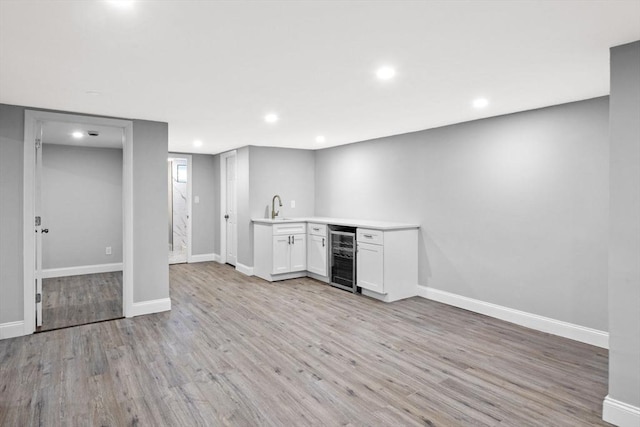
107	250
293	203
196	199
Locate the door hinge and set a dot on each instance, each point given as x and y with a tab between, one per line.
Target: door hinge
38	221
38	143
38	298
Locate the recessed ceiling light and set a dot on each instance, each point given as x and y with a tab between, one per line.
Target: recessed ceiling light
197	143
320	139
480	102
92	92
386	73
77	134
271	118
122	4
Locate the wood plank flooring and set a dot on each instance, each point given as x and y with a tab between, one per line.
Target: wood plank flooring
237	350
77	300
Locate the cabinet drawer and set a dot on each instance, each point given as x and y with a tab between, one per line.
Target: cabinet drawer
289	228
370	236
317	229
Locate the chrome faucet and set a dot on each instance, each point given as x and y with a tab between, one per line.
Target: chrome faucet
274	212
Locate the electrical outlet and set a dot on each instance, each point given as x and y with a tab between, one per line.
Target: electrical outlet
196	199
293	203
108	250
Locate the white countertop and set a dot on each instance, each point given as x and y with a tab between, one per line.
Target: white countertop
361	223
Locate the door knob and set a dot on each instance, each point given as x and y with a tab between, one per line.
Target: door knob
45	230
226	217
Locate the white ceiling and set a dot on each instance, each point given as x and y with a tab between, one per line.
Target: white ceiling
62	133
212	70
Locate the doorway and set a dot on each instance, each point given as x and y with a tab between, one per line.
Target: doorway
228	204
179	208
78	252
80	240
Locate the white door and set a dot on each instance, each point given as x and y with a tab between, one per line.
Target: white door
369	268
281	254
317	255
39	227
299	252
231	215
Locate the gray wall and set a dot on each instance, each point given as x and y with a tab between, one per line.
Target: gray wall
263	172
150	216
245	229
513	209
81	205
11	168
151	272
215	214
284	171
204	185
624	238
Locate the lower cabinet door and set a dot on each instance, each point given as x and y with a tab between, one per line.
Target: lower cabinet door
317	255
298	251
369	267
281	256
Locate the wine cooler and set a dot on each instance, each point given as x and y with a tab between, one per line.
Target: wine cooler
343	258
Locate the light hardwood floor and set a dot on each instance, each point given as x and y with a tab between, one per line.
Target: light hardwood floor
237	350
76	300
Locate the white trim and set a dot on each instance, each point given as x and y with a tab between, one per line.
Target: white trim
127	212
223	203
150	307
522	318
11	330
244	269
216	258
189	204
619	413
79	270
28	209
31	119
202	258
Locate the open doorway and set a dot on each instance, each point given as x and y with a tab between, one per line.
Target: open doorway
179	207
79	201
78	253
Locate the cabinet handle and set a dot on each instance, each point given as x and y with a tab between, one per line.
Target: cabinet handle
289	239
368	236
316	229
293	240
323	242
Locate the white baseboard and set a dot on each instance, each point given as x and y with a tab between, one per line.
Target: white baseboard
149	307
217	258
83	269
619	413
522	318
248	271
202	258
11	329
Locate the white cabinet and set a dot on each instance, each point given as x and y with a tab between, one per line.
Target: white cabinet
317	245
289	252
281	254
370	267
387	263
280	250
298	252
